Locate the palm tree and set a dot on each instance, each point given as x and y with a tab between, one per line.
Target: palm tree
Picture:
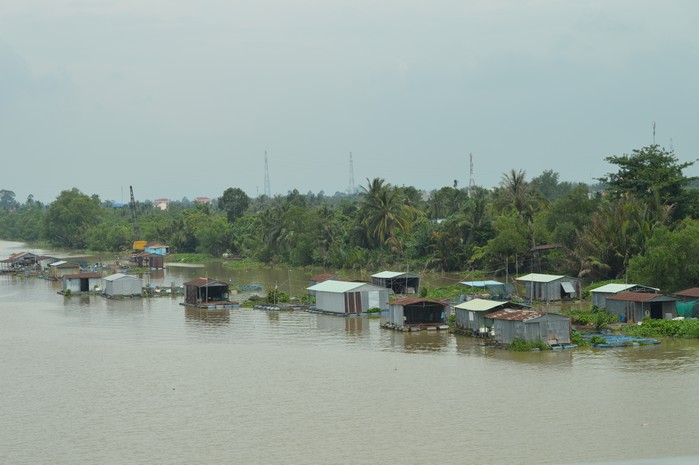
384	214
518	193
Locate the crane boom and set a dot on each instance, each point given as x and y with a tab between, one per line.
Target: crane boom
136	227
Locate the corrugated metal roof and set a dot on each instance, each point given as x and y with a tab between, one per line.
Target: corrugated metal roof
336	286
82	276
387	274
540	278
414	300
691	292
115	276
480	305
613	288
482	283
510	314
640	297
201	282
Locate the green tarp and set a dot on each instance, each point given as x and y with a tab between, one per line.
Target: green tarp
686	309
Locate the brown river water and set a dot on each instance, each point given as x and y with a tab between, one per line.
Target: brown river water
86	380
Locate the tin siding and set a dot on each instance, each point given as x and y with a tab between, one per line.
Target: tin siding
330	301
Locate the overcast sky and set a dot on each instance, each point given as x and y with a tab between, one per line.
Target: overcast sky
182	98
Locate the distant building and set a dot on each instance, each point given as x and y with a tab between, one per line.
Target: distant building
509	324
635	306
399	283
546	287
157	248
61	268
490	287
205	293
148	260
122	285
602	293
346	297
82	283
470	315
162	204
414	314
687	302
202	200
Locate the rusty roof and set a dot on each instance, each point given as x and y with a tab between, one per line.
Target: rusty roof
322	277
511	314
414	300
82	275
691	292
635	296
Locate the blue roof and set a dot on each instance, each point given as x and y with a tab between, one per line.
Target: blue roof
482	283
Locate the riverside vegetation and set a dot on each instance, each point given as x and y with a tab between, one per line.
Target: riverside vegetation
639	223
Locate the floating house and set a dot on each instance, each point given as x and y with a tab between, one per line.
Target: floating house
493	288
687	300
415	314
157	248
635	306
206	293
19	261
531	326
57	270
548	287
399	283
347	297
602	293
122	285
470	315
81	283
313	280
148	260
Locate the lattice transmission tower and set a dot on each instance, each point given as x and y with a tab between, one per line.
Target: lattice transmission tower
351	190
471	181
268	191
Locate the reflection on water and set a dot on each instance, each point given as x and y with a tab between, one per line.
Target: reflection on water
209	316
150	381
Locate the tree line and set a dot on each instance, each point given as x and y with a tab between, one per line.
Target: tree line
639	223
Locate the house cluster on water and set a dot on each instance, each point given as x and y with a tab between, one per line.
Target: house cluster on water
487	311
489	308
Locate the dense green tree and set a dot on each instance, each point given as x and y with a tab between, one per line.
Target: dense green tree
234	202
214	236
568	215
649	174
7	200
671	258
617	231
549	187
69	217
509	243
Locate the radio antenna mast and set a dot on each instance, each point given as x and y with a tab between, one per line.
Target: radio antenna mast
268	192
351	189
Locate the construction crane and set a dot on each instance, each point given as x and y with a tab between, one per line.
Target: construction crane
138	243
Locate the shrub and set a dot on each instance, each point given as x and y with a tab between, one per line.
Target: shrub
520	345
